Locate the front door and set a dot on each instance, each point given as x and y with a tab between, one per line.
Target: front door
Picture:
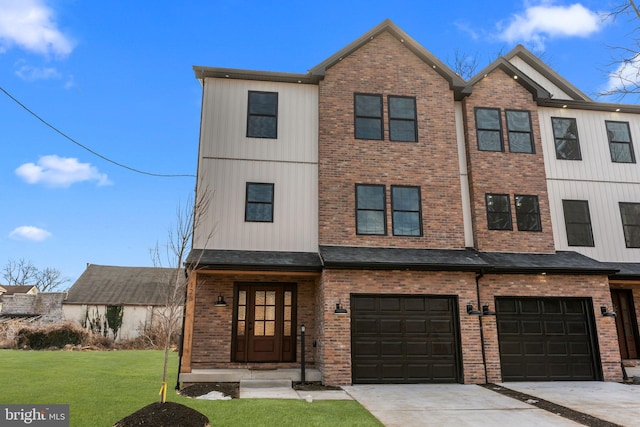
264	322
625	322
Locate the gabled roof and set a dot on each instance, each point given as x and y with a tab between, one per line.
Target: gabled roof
456	83
18	289
112	285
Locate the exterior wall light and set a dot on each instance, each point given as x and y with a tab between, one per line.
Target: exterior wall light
606	313
340	309
471	311
486	312
220	302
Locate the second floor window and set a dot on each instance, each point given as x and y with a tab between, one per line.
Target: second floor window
498	212
565	134
489	129
519	130
368	116
620	144
259	202
405	203
262	117
402	119
528	213
370	209
631	223
578	222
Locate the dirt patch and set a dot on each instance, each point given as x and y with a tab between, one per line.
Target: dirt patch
168	414
313	386
579	417
200	389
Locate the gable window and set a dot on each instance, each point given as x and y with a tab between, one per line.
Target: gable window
528	213
620	144
368	116
631	223
578	222
370	209
405	204
519	131
489	129
498	212
262	117
565	134
402	119
259	202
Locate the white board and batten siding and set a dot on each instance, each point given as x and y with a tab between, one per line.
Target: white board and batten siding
595	178
228	160
527	69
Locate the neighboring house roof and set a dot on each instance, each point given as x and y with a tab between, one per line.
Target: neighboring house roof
112	285
19	289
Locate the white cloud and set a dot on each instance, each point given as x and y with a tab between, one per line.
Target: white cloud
57	171
544	20
28	232
625	77
30	25
29	73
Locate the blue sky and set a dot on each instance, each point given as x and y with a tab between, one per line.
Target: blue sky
116	77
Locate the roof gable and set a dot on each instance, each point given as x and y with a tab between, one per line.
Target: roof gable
112	285
18	289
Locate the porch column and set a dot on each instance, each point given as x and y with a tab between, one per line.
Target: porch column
188	323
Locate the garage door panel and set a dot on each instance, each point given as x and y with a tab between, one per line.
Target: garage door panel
555	341
417	344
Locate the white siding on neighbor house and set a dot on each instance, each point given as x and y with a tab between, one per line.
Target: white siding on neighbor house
596	179
228	160
554	90
295	207
224	122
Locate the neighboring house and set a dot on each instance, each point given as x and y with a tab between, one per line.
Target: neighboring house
18	289
140	291
25	302
422	228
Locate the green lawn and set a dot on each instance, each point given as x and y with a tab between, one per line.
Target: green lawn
103	387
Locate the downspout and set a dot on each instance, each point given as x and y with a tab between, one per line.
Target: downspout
484	356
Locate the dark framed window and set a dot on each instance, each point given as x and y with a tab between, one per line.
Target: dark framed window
620	144
407	211
402	119
631	223
578	222
565	134
259	202
498	212
371	213
262	117
519	131
528	213
368	116
489	129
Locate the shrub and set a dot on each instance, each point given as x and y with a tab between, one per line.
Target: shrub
54	335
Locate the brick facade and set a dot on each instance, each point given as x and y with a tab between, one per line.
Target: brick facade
505	172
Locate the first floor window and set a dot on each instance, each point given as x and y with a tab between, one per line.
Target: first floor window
578	222
489	129
498	212
405	203
262	117
259	202
620	144
631	223
368	116
565	133
528	213
519	130
370	209
402	119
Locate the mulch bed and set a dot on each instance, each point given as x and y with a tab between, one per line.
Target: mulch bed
579	417
168	414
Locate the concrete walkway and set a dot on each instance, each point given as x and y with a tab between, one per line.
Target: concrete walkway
613	402
449	404
281	389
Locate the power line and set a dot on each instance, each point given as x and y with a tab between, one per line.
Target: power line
89	149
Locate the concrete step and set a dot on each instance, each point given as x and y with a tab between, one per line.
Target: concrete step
265	383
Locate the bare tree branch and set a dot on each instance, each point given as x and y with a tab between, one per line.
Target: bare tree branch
24	273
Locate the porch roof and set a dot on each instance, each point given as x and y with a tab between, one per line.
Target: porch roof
559	262
215	259
626	270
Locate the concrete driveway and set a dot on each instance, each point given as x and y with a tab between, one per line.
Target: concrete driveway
613	402
449	404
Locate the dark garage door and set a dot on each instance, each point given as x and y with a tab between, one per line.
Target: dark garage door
404	339
547	339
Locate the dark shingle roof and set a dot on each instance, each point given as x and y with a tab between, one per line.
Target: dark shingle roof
627	270
255	260
111	285
559	262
